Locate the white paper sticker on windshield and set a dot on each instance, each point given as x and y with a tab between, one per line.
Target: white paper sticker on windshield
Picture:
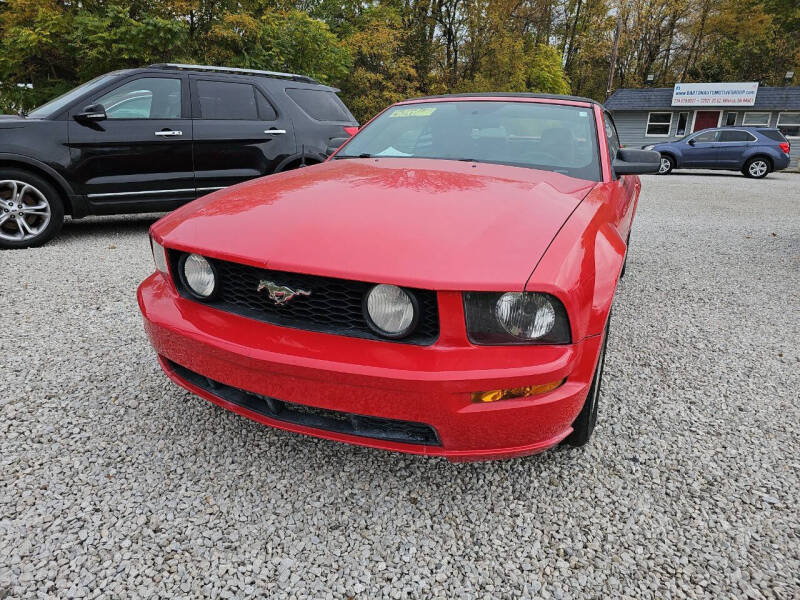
392	151
413	112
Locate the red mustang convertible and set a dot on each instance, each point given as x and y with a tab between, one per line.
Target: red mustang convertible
442	285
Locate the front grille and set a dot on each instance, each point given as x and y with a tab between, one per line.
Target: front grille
391	430
334	305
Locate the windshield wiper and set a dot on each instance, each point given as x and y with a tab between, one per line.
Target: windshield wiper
362	155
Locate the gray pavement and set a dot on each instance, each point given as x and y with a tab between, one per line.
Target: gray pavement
116	483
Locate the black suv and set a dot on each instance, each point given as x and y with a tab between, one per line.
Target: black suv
154	138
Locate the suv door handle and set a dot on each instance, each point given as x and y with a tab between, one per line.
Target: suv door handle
168	133
274	131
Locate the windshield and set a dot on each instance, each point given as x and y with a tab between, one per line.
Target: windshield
57	104
550	137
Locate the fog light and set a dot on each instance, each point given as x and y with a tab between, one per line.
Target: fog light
520	392
199	276
390	311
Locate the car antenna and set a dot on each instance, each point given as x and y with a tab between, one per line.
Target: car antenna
303	156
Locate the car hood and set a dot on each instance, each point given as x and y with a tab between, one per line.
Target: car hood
434	224
11	121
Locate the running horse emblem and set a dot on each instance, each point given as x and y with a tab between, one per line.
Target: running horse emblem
280	294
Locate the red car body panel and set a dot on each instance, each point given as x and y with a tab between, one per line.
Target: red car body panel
443	225
395	214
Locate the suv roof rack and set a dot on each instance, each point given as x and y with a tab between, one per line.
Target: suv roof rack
235	70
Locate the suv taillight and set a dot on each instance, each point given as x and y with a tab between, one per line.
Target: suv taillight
785	147
351	131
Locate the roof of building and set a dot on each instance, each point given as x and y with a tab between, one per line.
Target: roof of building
767	98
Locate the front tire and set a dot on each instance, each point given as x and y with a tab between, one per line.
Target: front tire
667	164
583	427
31	209
756	168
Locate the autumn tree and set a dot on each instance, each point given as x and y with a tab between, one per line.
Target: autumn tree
384	50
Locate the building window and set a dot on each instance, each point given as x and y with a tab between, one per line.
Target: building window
730	119
789	124
683	119
756	119
659	123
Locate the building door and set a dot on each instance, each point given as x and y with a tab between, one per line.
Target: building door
705	119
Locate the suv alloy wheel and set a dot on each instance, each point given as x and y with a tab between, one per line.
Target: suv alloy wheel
31	211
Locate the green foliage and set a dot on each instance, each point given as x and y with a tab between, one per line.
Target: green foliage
34	49
382	51
113	40
381	73
279	41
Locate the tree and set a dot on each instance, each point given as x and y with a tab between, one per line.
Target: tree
279	41
382	73
36	61
113	40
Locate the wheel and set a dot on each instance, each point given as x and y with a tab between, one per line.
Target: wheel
756	168
584	424
31	210
666	166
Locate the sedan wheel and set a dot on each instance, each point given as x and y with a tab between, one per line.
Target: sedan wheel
30	210
666	165
757	168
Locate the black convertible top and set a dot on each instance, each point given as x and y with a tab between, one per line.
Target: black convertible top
510	95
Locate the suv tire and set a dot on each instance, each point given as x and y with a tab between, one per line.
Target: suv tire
667	164
31	209
756	168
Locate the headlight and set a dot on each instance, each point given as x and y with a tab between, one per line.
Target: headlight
390	311
159	256
527	316
648	147
496	318
198	275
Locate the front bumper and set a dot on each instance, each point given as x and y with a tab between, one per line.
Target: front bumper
429	385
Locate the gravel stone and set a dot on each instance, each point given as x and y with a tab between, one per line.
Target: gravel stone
116	483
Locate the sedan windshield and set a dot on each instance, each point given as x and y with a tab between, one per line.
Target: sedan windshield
550	137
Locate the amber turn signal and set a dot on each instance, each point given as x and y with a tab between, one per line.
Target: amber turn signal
520	392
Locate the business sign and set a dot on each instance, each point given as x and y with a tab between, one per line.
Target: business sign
715	94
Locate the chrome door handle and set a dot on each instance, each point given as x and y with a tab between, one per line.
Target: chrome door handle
274	131
168	133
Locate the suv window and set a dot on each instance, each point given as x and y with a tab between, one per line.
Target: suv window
56	104
736	136
265	109
144	98
321	105
227	100
706	136
772	134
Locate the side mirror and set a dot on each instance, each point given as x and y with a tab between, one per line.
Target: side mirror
691	142
636	162
93	112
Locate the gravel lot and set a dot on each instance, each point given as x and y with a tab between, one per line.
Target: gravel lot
116	483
